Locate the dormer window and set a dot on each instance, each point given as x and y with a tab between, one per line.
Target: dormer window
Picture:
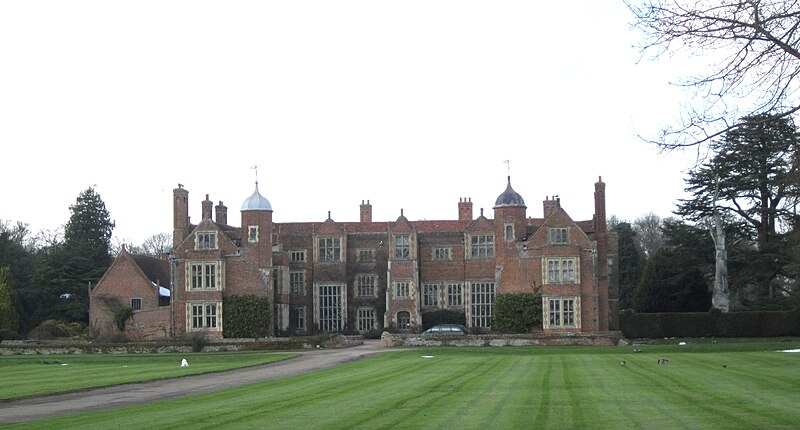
206	240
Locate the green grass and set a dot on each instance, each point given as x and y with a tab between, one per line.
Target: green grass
724	385
30	375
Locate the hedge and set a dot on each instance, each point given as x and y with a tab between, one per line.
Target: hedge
710	324
246	316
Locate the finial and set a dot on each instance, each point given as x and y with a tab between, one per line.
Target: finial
255	168
508	168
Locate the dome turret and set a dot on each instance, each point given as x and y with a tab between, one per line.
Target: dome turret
509	197
256	202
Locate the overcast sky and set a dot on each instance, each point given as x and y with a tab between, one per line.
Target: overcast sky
411	105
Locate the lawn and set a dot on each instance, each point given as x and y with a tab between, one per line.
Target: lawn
30	375
723	385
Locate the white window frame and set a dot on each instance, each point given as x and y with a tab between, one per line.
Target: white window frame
205	240
199	316
330	307
561	312
252	234
209	277
561	270
481	246
136	300
481	303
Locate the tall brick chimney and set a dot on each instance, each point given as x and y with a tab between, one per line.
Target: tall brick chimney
207	205
221	213
549	205
180	214
366	211
465	209
600	205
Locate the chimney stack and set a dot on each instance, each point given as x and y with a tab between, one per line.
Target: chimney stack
465	209
600	205
207	204
366	211
222	214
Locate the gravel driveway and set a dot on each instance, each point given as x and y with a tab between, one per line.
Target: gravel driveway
133	394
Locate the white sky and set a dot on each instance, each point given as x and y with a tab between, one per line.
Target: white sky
411	105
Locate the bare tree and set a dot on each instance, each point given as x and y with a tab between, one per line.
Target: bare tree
155	244
751	47
648	230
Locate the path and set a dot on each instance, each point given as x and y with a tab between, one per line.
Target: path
144	392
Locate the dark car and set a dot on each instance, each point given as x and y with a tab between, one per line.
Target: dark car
446	329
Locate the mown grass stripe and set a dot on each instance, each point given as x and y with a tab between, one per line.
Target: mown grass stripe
496	388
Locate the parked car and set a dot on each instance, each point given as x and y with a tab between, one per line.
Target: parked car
446	329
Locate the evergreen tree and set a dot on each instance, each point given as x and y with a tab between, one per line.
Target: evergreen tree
631	260
671	284
15	255
64	273
9	318
753	175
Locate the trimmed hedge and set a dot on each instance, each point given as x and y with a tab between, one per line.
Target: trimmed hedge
246	316
517	312
710	324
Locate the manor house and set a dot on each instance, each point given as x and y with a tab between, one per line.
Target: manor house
369	275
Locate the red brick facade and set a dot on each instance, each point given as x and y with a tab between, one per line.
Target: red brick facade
366	275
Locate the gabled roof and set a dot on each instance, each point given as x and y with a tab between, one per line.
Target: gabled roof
155	269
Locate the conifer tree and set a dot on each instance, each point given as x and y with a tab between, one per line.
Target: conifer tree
83	258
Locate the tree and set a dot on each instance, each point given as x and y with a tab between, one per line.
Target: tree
754	173
64	271
671	284
154	245
631	261
751	183
751	47
9	318
649	233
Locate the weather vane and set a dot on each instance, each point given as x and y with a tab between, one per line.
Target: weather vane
508	166
255	168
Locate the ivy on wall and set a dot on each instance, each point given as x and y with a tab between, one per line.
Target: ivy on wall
517	312
246	316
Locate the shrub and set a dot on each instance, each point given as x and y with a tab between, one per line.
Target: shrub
121	316
197	340
9	335
51	329
517	312
246	316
